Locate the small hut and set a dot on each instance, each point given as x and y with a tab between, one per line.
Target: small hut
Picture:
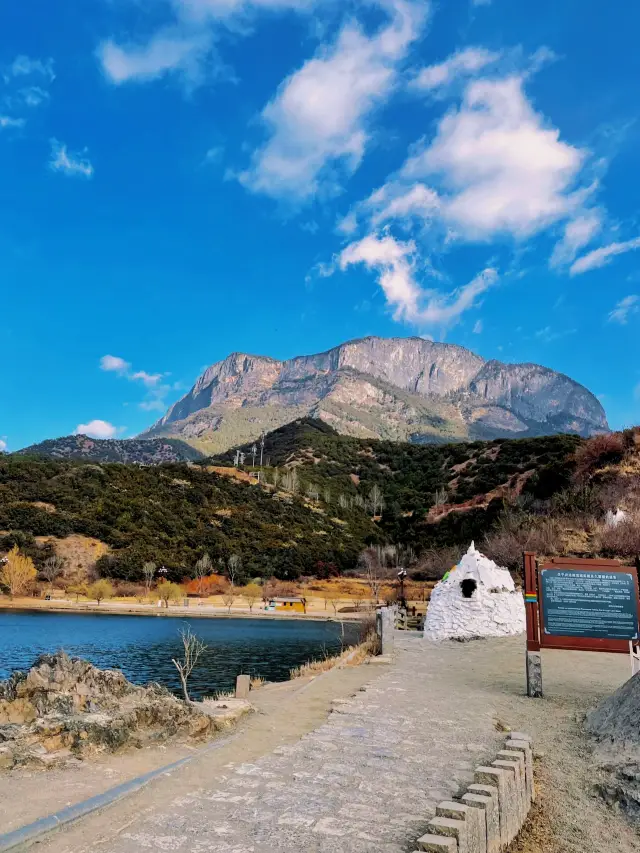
291	605
477	598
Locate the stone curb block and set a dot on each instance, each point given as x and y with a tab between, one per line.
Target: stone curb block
494	808
437	844
524	747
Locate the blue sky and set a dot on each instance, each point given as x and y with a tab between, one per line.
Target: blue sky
186	178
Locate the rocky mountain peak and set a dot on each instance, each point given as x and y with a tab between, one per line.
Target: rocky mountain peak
400	388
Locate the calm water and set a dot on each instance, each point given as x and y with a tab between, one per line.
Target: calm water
142	646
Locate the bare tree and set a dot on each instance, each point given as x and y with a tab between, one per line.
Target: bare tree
291	481
276	477
251	593
342	501
335	602
201	570
193	649
229	596
52	568
234	567
376	500
148	572
327	495
371	561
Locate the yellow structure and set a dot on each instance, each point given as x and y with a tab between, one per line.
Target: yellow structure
291	605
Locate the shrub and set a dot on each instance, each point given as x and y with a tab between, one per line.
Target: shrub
623	540
597	452
518	532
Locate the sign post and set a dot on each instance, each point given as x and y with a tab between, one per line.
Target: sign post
578	605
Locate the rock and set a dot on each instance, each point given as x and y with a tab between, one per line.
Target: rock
17	711
6	758
64	707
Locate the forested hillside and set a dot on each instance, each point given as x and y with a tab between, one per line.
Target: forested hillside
172	514
321	499
423	495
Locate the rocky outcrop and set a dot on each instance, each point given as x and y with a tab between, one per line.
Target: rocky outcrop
397	388
64	709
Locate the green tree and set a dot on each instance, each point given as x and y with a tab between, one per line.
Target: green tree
100	590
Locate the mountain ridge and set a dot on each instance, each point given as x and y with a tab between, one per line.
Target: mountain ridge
390	388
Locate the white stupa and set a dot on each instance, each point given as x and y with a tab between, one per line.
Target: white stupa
476	598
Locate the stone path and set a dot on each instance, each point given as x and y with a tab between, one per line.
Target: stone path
367	780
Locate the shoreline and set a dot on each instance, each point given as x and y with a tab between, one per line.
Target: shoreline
198	612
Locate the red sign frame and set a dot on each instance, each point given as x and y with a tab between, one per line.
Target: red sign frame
536	638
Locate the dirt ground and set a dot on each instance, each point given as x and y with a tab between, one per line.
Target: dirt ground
26	795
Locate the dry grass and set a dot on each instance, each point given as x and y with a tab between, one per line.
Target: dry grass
597	452
352	656
537	835
257	682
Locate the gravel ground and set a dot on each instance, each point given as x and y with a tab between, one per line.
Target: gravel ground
368	779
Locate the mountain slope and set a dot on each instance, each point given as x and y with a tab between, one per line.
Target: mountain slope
429	496
150	452
394	388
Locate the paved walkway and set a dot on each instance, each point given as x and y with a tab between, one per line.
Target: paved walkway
368	779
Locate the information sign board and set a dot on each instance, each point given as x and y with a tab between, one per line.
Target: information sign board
586	603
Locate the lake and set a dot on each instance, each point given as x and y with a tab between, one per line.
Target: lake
142	646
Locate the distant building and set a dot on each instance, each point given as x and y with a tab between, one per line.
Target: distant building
292	605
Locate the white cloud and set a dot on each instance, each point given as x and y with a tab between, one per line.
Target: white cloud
185	45
501	169
601	257
465	62
477	329
167	51
24	66
8	121
318	120
114	363
394	200
156	390
73	165
578	233
148	379
97	429
394	263
623	309
3	445
32	96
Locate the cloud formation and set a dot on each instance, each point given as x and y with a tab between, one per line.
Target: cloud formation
25	66
394	262
318	122
3	445
114	363
499	167
623	309
156	389
74	165
98	429
186	45
8	122
466	62
603	256
167	51
578	233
